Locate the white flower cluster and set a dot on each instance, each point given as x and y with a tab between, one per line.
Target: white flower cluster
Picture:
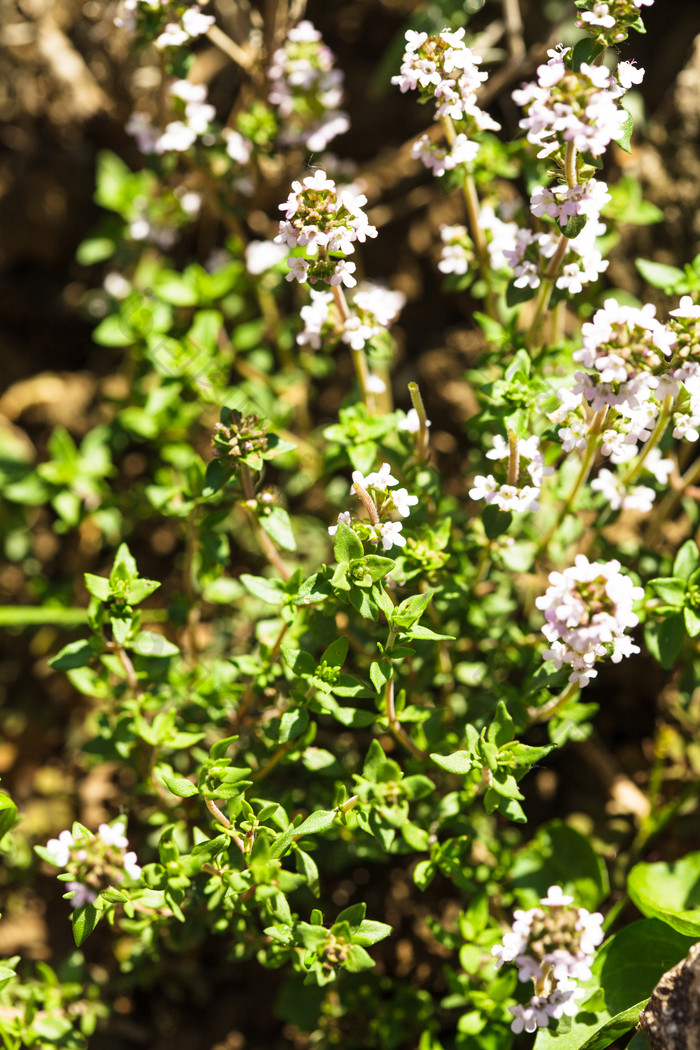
455	253
374	309
552	946
374	493
195	122
95	861
587	607
634	362
527	257
192	23
179	135
609	20
440	159
513	496
563	202
685	326
443	68
625	349
580	107
307	90
321	218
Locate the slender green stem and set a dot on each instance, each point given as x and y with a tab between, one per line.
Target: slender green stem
225	822
471	201
548	710
654	438
669	502
550	276
397	730
513	459
266	544
359	358
586	464
417	402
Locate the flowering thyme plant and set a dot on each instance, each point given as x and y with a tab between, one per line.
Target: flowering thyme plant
315	588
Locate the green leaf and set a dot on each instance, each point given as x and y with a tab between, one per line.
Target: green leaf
585	50
670	589
307	867
75	654
516	295
319	821
334	655
357	959
269	591
370	932
380	672
378	567
558	854
98	586
113	331
174	288
625	139
661	276
84	921
346	546
150	643
215	477
292	724
670	892
95	250
495	521
180	786
315	589
692	621
461	762
574	226
664	640
375	762
502	728
420	633
278	526
8	814
210	848
411	609
687	560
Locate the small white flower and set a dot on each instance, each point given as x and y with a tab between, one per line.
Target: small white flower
375	384
381	479
403	501
343	519
261	256
412	422
60	848
390	533
298	269
195	22
556	898
113	835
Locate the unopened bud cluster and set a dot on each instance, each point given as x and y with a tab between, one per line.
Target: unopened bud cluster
552	946
94	862
239	437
